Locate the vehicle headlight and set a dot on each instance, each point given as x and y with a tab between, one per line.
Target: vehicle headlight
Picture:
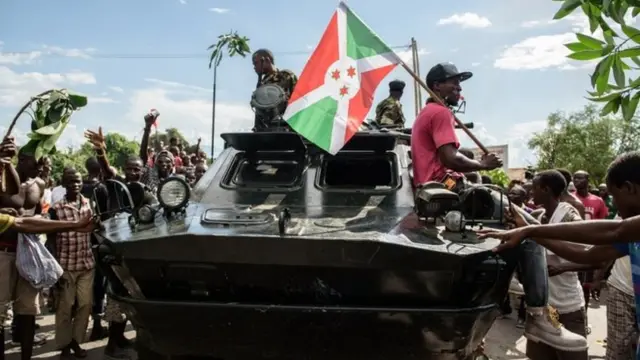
173	193
145	214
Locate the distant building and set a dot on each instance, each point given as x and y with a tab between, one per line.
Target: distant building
502	151
516	173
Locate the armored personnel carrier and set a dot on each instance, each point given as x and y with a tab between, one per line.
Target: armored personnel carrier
282	251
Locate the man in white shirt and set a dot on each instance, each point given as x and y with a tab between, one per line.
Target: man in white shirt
622	330
565	291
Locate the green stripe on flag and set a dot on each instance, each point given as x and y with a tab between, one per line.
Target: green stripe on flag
361	41
315	122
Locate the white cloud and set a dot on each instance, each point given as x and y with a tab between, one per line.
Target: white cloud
518	136
534	23
466	20
548	51
76	53
538	52
16	88
406	56
192	115
183	2
18	58
117	89
475	64
219	10
101	100
176	86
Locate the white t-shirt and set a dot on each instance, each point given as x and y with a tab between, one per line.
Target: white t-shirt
620	277
57	194
565	291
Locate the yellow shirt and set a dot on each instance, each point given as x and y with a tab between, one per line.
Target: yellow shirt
6	222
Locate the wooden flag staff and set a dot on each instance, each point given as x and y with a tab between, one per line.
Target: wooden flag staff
437	99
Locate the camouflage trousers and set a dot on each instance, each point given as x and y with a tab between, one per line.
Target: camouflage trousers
113	313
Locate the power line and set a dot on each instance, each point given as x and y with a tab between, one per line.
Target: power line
162	56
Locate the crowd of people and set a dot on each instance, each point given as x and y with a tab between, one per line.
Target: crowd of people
564	236
564	239
60	210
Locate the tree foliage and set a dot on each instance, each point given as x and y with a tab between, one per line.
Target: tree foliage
619	52
50	114
498	177
584	140
119	149
158	139
234	43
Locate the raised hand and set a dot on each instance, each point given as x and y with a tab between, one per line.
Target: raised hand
151	117
8	148
96	139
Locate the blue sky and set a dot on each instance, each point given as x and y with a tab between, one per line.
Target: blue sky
94	47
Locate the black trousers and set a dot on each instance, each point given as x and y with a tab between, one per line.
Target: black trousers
99	290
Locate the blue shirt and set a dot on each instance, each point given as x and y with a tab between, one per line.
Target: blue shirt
633	250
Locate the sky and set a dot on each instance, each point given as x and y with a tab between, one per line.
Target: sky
131	56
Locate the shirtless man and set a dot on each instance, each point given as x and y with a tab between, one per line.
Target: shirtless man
23	201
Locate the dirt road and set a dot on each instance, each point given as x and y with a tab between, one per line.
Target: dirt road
504	341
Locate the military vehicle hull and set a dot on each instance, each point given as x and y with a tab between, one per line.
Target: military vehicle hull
305	272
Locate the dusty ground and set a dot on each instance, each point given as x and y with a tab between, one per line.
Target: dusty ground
504	341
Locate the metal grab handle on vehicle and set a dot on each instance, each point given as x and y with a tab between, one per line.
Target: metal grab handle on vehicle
283	220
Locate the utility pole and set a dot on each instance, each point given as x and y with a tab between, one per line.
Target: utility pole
415	83
417	90
213	108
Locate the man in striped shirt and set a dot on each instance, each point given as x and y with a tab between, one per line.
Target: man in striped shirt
12	286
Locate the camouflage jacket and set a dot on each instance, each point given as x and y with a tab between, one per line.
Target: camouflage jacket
286	79
389	112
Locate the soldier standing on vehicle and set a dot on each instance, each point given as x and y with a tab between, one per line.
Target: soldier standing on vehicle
264	66
389	111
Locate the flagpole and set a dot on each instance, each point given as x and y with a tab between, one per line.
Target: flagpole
437	99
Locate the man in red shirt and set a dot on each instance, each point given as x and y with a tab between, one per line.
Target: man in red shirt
594	209
434	143
434	150
594	206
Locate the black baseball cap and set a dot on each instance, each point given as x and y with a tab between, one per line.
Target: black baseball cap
446	71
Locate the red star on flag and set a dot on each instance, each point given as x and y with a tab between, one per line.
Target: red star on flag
351	71
335	74
344	91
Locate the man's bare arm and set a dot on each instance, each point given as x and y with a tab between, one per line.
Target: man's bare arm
454	160
595	256
592	232
39	225
12	197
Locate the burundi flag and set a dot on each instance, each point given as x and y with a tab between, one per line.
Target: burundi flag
335	90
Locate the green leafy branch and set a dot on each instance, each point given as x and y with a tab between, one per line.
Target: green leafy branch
50	114
618	53
234	43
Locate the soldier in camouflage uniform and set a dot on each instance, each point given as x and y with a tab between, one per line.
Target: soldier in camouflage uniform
264	65
389	111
